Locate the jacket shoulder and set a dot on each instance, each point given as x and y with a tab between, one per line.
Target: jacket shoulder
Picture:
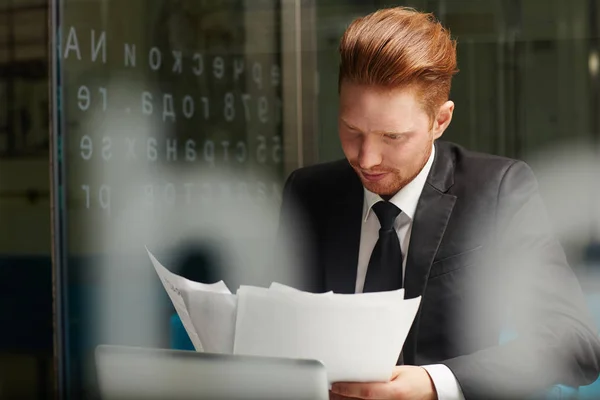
463	156
473	167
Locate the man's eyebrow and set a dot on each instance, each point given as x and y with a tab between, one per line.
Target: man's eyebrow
394	132
349	125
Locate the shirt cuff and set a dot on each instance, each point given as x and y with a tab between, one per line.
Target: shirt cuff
446	385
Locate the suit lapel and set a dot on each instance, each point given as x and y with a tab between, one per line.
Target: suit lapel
342	236
431	218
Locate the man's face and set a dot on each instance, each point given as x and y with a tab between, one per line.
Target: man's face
386	135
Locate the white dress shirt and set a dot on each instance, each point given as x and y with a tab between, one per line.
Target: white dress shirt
406	199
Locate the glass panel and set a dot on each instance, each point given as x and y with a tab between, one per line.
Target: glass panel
170	109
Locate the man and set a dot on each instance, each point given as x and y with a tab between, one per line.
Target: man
407	210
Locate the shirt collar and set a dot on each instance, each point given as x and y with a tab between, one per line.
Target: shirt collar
408	197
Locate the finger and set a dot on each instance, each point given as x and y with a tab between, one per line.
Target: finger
335	396
362	390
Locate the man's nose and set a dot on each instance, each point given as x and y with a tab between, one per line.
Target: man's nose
370	155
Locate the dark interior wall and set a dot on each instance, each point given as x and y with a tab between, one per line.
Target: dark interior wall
26	337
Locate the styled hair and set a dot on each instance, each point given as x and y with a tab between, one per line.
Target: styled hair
400	48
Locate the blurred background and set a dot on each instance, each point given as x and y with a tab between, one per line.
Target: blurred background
111	106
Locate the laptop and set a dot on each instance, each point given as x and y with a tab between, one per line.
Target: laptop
126	373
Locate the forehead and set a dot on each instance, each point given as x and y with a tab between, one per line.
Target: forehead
383	108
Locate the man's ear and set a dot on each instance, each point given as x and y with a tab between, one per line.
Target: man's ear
442	119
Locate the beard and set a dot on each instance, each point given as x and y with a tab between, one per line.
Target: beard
396	179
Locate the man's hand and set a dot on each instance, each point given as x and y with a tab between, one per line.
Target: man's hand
407	383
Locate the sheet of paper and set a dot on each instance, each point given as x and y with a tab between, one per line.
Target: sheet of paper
357	337
213	315
285	288
217	287
371	296
390	295
175	287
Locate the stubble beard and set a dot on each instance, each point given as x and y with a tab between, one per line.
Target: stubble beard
398	179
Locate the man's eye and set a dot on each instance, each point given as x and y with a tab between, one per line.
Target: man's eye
392	136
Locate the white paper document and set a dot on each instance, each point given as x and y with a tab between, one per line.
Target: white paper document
287	289
358	337
197	304
213	316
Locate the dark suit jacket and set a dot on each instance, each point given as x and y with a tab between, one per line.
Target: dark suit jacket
482	257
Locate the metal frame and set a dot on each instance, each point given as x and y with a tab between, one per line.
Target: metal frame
300	83
58	202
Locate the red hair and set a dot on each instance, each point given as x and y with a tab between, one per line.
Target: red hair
400	48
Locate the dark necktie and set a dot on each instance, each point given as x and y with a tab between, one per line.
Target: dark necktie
384	272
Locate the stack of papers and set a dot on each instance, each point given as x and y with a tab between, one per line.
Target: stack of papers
358	337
